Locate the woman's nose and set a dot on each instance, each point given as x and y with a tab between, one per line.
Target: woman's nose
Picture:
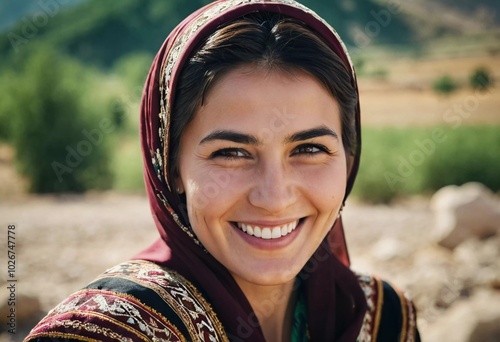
273	189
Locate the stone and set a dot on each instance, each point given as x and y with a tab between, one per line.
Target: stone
476	319
462	212
389	248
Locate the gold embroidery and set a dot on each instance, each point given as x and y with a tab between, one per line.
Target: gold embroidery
380	303
368	286
112	308
62	335
191	307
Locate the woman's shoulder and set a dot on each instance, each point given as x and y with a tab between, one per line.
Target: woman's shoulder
133	301
391	315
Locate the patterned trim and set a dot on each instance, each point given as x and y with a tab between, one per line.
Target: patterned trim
57	335
373	289
178	221
409	318
404	309
96	314
68	324
191	307
380	304
99	314
370	288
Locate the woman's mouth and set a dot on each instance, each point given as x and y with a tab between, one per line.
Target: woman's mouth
267	233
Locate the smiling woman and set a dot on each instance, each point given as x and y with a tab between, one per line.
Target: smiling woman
251	142
293	178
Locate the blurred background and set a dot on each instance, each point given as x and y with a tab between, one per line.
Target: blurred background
71	77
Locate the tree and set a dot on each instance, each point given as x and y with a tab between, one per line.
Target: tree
445	85
481	79
58	136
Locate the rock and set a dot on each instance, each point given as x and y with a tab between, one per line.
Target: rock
476	319
478	261
464	212
389	248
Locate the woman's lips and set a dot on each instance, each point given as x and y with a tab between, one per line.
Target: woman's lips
268	232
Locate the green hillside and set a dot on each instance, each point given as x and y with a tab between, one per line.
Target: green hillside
100	32
12	12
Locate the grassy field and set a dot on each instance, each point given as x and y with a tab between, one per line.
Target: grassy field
399	162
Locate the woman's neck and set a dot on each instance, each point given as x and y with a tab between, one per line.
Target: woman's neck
274	307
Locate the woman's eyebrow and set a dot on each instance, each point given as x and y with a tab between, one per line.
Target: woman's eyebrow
230	136
311	133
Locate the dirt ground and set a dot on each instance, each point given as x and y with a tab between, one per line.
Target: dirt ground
404	97
64	242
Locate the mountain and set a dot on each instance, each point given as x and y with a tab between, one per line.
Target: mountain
100	32
432	18
12	11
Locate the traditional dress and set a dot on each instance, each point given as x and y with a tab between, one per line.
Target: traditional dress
175	290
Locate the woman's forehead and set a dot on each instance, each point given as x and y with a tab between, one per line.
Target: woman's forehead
262	101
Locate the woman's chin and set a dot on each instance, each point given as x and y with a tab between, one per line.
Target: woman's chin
269	274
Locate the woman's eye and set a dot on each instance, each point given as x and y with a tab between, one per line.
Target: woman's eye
310	149
230	153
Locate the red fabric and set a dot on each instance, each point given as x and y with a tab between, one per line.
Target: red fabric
336	304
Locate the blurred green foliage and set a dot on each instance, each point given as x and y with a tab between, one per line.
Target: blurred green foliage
127	166
133	68
398	162
481	79
444	85
55	124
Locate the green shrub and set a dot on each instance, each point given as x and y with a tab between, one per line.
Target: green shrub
382	153
127	165
468	154
6	103
133	68
402	162
359	65
380	73
59	131
444	85
481	79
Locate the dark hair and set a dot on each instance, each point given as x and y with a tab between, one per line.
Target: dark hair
267	40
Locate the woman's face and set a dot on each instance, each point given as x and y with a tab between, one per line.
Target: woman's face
264	172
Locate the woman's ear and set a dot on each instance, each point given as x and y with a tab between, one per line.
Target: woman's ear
179	187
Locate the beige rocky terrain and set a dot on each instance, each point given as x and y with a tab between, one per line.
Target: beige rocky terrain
62	243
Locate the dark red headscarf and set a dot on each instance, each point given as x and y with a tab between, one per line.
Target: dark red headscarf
335	302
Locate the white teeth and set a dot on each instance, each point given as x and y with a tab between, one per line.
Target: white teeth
267	232
276	232
243	227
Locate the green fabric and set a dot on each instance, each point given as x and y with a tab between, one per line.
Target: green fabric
299	327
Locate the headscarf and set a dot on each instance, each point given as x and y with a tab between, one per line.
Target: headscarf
334	299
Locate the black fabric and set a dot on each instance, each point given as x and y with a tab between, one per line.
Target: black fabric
391	321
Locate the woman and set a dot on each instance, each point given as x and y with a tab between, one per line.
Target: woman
251	142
